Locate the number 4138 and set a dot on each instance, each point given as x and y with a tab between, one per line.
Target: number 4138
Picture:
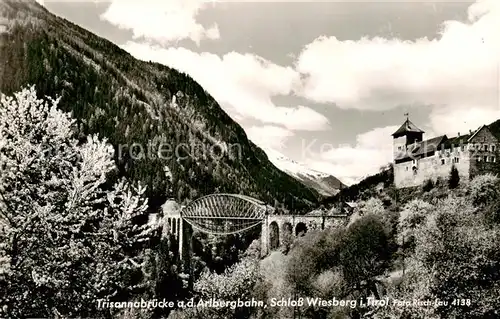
461	302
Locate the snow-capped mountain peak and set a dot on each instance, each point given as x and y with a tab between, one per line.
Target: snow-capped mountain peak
322	182
292	166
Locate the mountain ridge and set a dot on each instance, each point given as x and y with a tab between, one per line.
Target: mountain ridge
133	102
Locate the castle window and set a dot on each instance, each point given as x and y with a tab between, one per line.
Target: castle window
443	161
493	159
485	146
463	148
406	168
486	159
399	148
478	147
492	148
414	170
456	160
478	158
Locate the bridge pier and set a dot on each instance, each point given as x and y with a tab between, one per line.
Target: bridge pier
173	223
264	238
181	238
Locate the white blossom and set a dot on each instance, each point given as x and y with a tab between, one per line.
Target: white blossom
62	230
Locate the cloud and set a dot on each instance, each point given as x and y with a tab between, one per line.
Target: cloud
269	136
298	118
456	72
373	149
243	84
162	21
454	121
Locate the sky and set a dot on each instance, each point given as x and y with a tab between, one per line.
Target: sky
325	83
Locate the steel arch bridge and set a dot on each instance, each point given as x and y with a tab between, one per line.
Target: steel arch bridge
224	214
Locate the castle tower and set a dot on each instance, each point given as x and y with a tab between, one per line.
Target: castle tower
407	134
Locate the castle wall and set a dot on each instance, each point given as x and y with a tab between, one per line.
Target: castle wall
399	146
479	156
432	167
484	159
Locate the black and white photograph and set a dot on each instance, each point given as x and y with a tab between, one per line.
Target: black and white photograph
250	159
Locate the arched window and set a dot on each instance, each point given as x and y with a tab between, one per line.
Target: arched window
415	170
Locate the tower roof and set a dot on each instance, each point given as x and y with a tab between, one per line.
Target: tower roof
407	127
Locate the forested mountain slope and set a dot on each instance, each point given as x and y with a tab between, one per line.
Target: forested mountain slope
139	106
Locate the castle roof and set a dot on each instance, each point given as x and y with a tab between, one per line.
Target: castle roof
457	140
407	127
477	131
422	148
495	128
429	146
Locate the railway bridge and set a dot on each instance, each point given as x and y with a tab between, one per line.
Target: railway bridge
224	214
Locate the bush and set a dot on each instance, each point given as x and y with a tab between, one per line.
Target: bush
371	206
238	281
492	213
413	216
275	283
439	182
428	185
483	189
456	255
462	255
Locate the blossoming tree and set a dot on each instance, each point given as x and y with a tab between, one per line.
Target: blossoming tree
68	237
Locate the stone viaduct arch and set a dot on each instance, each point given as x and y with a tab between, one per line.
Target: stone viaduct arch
294	225
274	235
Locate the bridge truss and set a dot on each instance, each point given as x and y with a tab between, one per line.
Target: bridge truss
224	214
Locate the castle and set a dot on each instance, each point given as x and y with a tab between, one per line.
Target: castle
417	160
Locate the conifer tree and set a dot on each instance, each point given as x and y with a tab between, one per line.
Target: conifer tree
454	178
